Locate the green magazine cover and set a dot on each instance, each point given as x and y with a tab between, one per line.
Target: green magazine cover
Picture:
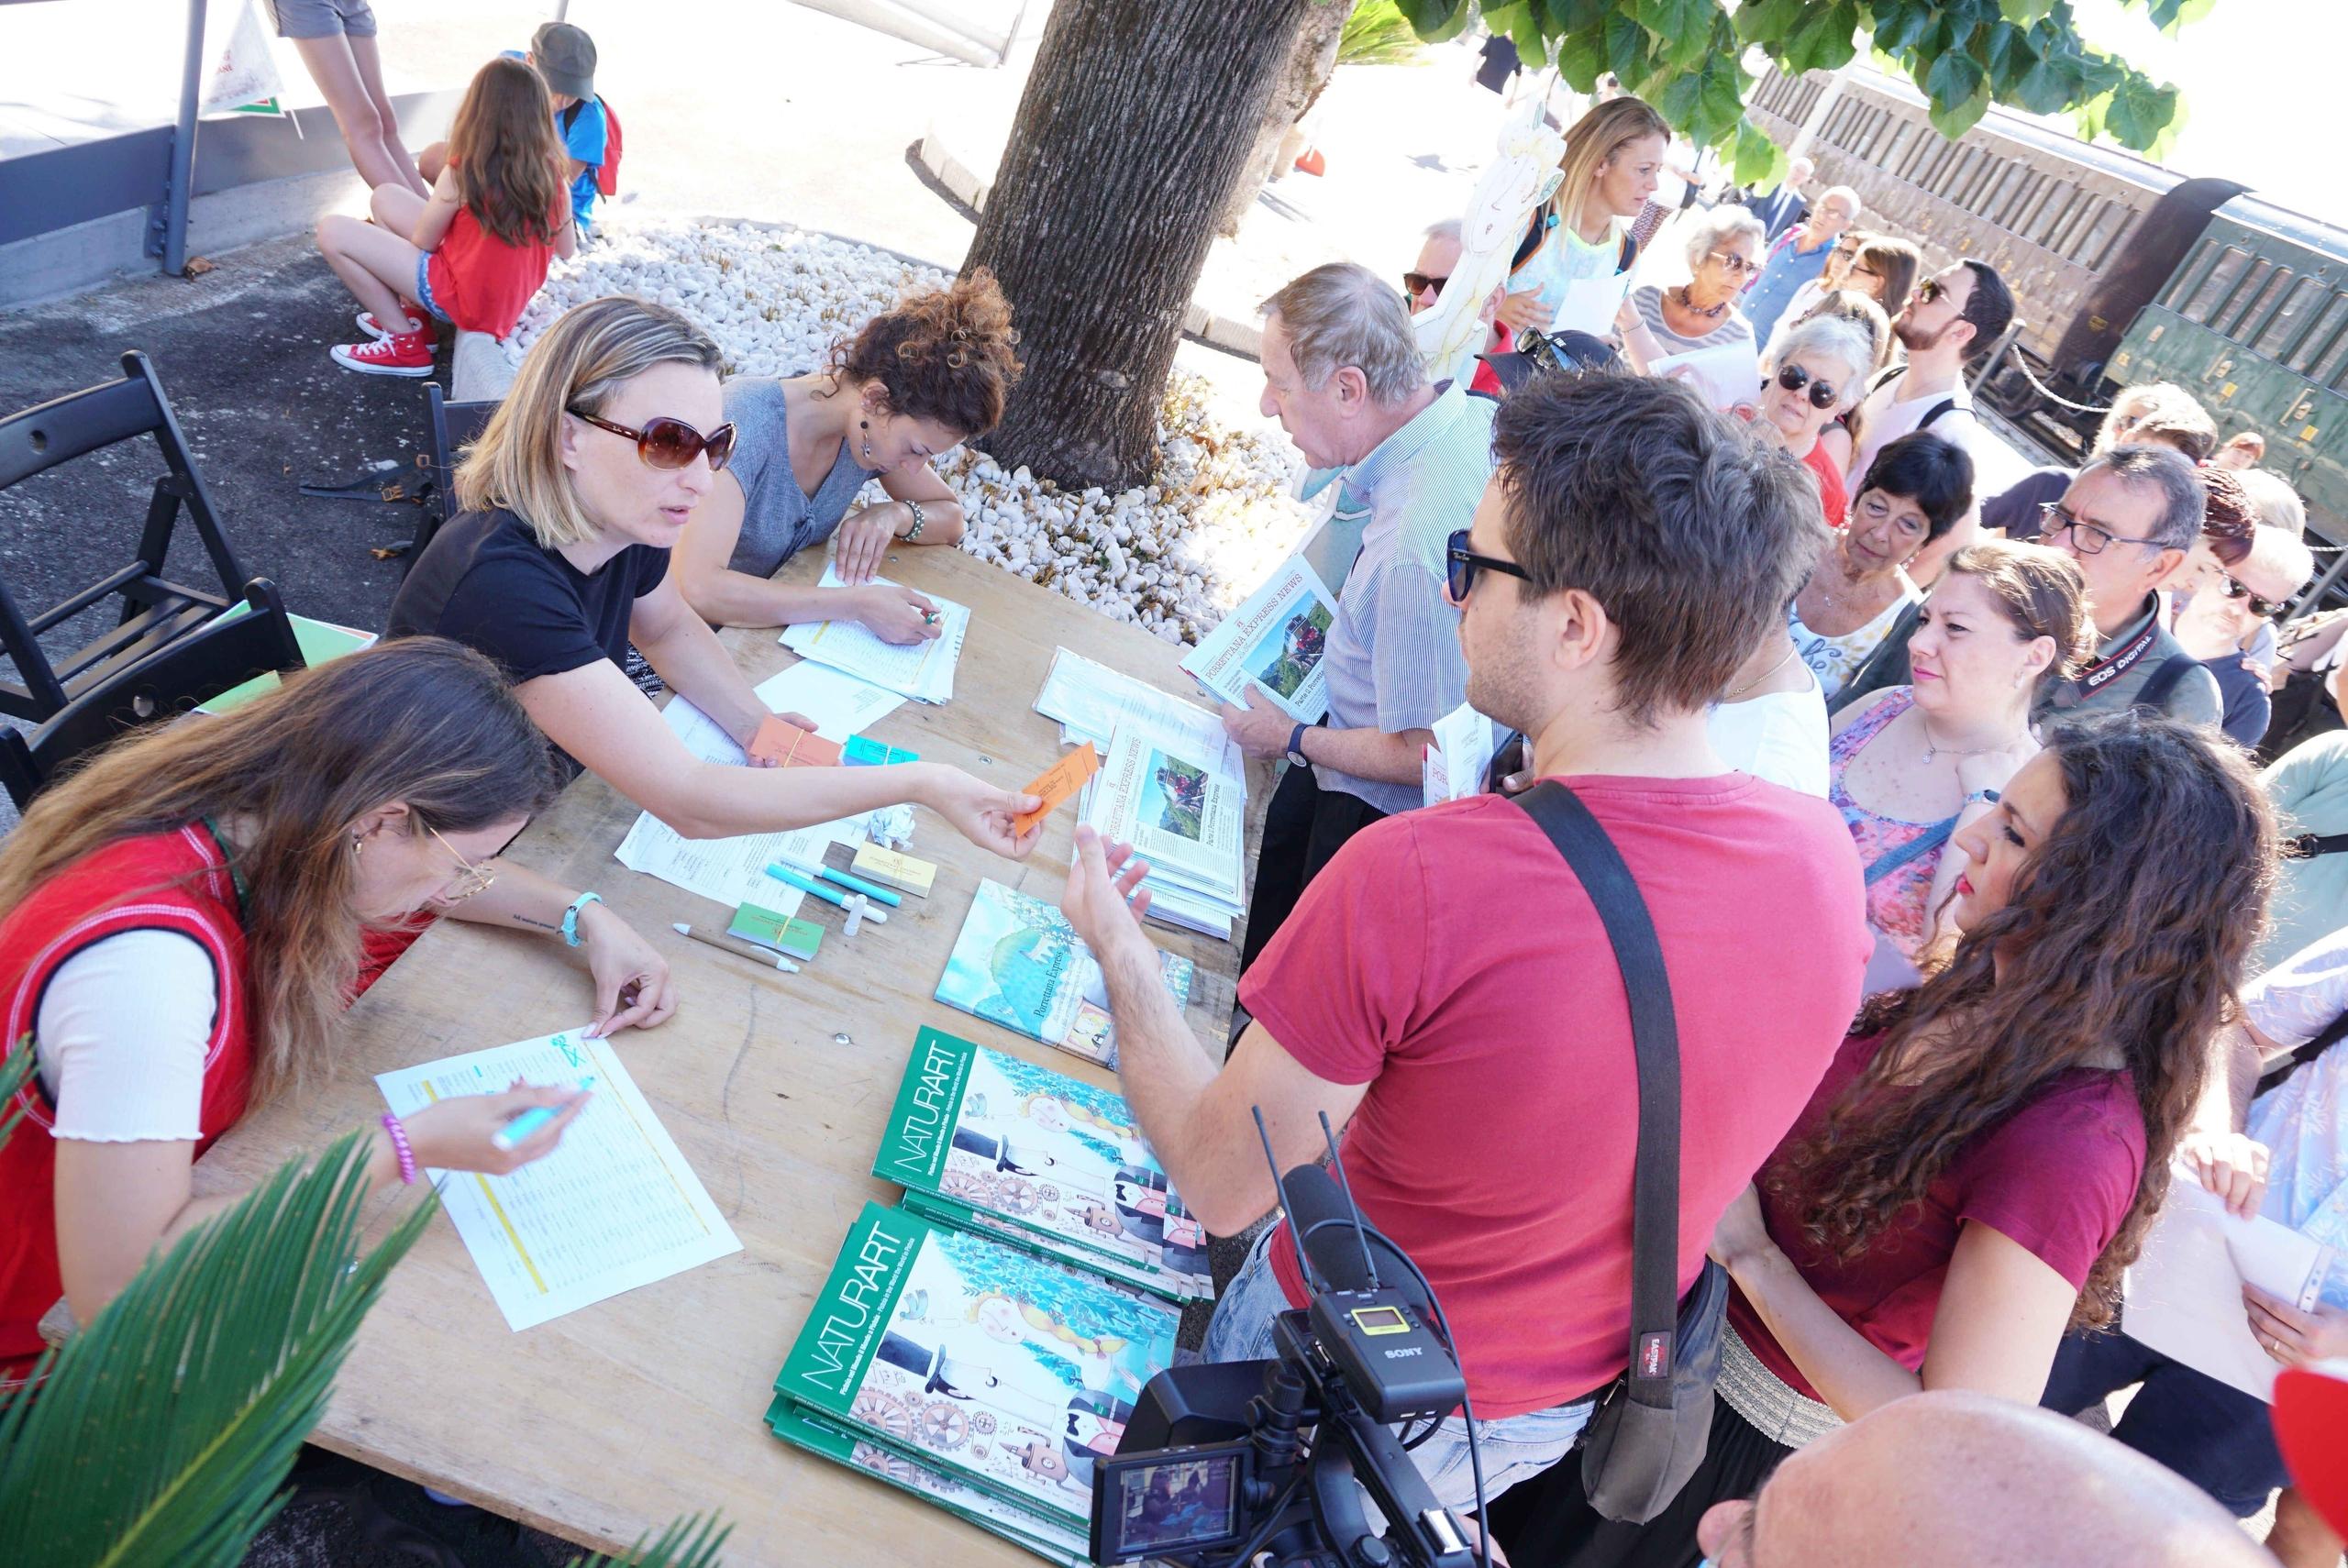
991	1365
1049	1153
907	1473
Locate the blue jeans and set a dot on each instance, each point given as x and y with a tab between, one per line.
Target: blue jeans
1516	1448
424	287
2211	1433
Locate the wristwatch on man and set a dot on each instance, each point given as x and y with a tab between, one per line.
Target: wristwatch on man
1296	747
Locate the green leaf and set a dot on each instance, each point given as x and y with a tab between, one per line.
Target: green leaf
1682	29
2022	13
167	1426
2006	53
1899	23
1757	161
2099	74
2140	112
1429	18
1581	58
687	1543
1953	79
1626	51
1953	120
2169	15
1767	22
1826	39
2044	88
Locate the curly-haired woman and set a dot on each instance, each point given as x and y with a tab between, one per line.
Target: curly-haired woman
913	382
1982	1157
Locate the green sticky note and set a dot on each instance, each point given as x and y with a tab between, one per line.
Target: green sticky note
799	938
320	641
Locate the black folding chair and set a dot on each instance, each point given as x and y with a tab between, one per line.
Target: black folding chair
449	428
182	675
155	609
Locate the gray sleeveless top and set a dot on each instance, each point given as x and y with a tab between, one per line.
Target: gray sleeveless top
779	519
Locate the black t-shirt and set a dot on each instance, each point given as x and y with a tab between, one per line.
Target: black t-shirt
2015	512
487	582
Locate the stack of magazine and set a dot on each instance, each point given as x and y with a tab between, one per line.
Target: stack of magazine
1017	962
982	1345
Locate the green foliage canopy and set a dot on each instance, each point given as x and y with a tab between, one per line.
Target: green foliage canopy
1688	58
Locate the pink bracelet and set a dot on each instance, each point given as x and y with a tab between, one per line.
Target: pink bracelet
401	1148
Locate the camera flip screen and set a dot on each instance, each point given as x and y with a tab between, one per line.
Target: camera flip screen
1180	1503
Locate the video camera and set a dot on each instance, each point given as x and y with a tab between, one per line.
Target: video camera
1223	1464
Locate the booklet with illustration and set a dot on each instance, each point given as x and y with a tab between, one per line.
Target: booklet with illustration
982	1361
1020	964
1273	640
811	1434
1179	815
1050	1153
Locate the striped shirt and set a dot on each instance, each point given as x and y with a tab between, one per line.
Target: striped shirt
1393	661
1648	299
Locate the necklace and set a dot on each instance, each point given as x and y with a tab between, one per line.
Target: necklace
1932	750
1736	692
1710	313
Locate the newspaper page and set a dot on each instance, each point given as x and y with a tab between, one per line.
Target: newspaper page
1275	640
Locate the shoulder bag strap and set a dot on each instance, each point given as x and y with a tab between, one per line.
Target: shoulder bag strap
2301	1056
1654	1037
2155	692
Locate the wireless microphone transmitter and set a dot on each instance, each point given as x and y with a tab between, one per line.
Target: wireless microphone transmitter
1391	1362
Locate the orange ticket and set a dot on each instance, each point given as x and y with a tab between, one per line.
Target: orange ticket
1058	782
787	746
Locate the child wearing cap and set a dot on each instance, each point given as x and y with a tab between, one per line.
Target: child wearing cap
564	58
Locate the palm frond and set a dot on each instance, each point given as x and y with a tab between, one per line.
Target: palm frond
1377	33
166	1429
690	1543
15	1068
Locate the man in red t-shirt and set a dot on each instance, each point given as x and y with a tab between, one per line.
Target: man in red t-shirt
1445	985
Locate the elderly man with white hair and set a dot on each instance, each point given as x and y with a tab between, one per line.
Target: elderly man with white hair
1724	251
1343	374
1798	256
1785	207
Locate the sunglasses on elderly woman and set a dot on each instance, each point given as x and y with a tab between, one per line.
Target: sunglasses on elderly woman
666	443
2257	606
1793	377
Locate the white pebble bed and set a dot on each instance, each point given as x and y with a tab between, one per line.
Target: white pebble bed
1173	556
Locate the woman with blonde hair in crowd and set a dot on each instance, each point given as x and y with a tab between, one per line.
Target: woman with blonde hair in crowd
185	915
585	481
1984	1157
1613	162
1915	765
915	380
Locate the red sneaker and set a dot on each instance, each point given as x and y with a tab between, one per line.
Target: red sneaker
374	328
407	354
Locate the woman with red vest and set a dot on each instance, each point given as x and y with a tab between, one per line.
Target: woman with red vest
182	922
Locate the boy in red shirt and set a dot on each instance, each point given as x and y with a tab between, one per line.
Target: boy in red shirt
1445	985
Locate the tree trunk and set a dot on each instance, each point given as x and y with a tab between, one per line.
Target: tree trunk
1129	138
1310	65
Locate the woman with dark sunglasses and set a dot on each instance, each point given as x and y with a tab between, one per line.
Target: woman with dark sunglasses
574	496
915	380
1820	370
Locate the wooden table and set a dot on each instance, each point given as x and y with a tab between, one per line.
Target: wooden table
608	1422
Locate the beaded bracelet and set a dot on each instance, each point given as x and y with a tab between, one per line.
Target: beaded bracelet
401	1148
913	534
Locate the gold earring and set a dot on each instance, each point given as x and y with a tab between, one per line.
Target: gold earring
357	846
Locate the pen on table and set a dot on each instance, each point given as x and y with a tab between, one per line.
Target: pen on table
741	949
858	885
824	890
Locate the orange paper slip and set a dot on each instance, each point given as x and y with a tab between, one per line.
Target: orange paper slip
1058	782
787	746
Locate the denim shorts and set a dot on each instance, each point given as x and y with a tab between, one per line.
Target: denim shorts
324	18
1513	1449
424	287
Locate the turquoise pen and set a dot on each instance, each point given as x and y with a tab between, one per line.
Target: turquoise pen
517	1131
822	890
858	885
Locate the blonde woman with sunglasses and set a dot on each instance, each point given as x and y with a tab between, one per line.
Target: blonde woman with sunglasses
585	482
184	917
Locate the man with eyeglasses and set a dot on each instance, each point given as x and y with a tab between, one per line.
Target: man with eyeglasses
1445	989
1798	256
2129	519
1344	375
